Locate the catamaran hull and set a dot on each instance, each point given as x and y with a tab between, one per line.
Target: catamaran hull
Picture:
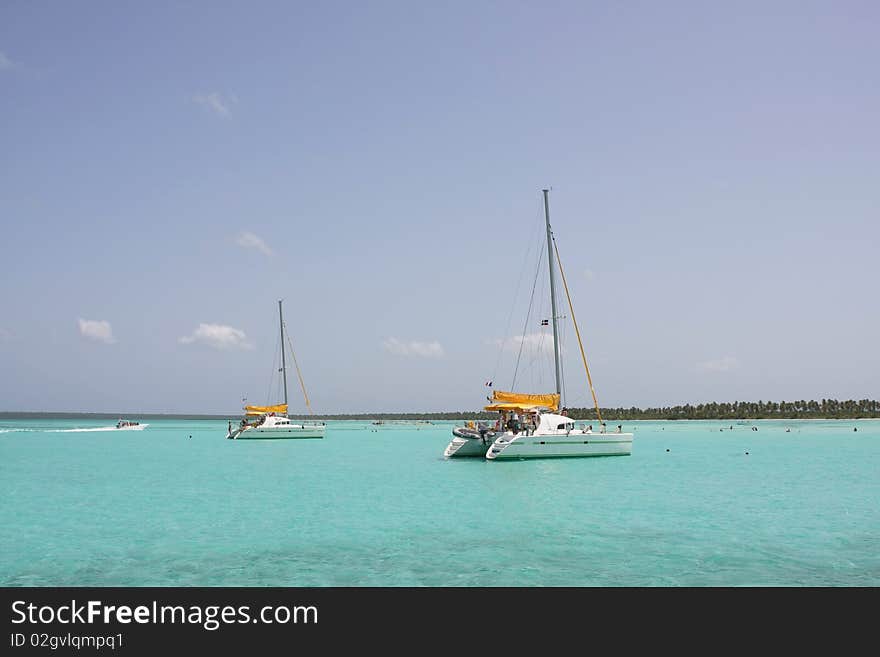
270	433
562	446
460	446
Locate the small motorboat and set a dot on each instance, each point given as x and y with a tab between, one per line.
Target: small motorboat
128	424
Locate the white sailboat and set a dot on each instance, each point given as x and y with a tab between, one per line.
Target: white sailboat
531	425
272	422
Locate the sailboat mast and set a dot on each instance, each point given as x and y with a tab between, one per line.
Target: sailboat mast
283	363
553	296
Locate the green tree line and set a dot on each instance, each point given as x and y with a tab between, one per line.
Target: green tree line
760	410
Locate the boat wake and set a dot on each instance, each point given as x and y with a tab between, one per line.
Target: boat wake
81	430
136	427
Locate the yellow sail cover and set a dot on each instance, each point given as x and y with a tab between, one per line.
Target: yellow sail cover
263	410
505	406
509	400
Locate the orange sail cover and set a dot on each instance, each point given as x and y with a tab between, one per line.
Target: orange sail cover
280	409
509	400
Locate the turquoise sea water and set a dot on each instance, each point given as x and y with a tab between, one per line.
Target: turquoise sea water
379	506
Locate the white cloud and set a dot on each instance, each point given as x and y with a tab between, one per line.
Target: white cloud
218	336
719	365
251	241
413	348
5	62
531	342
215	102
96	329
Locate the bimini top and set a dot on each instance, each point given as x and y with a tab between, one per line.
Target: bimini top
263	410
505	401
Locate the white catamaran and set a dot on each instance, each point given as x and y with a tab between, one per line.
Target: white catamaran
262	422
531	425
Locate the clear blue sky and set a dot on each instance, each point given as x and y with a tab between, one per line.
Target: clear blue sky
715	175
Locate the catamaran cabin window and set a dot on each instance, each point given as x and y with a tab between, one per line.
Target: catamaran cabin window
566	426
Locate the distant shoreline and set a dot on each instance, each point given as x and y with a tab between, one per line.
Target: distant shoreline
441	417
738	411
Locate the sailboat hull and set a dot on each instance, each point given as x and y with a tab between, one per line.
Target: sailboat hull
560	446
276	433
460	446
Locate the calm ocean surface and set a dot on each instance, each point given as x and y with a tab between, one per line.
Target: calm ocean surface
379	506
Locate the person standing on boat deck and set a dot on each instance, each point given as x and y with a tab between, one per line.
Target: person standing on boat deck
619	428
514	422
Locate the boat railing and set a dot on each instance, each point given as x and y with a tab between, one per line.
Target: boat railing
311	423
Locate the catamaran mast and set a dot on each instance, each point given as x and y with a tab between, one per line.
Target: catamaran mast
553	296
283	364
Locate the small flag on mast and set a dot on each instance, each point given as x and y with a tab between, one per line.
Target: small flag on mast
545	322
